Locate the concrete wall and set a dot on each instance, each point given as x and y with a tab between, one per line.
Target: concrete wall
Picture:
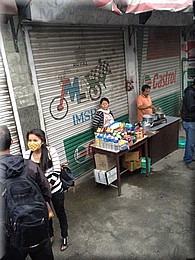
21	79
131	71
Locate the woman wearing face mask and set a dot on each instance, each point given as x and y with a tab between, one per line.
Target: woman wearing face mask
49	162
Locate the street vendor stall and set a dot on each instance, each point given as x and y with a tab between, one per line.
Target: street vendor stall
159	141
112	152
165	141
143	143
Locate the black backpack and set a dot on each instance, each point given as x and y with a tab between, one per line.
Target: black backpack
67	178
26	212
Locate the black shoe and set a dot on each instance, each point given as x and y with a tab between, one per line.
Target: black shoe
190	166
64	244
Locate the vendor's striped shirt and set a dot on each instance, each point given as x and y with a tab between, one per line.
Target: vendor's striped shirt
98	120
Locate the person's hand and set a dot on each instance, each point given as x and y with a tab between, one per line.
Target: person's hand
153	108
64	163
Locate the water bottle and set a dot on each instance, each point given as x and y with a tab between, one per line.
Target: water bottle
116	147
101	140
97	139
108	143
112	142
104	141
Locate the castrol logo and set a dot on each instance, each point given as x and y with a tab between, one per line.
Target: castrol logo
83	152
160	80
165	79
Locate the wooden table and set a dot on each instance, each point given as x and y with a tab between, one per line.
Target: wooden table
140	143
166	139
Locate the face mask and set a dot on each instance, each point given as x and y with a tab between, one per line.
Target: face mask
34	146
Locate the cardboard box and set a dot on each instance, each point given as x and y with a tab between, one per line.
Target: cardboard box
104	162
132	165
132	156
105	177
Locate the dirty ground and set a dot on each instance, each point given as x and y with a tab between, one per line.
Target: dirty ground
152	219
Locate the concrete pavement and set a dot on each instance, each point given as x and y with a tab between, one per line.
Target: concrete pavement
152	219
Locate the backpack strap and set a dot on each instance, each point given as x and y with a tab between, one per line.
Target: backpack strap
30	155
25	169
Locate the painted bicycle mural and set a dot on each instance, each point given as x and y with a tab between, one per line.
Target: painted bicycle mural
92	80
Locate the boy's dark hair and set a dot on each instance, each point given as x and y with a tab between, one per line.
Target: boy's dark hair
104	99
5	138
144	87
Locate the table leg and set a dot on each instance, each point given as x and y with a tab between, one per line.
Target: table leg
118	175
93	158
146	156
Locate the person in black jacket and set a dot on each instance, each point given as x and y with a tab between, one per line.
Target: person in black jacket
103	116
188	122
13	164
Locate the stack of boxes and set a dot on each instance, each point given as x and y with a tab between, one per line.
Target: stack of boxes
105	172
132	161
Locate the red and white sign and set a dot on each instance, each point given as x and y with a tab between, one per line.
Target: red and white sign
164	79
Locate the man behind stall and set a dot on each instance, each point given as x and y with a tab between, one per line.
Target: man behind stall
144	103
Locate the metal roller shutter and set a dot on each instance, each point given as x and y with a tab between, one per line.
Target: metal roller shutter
7	115
159	66
75	68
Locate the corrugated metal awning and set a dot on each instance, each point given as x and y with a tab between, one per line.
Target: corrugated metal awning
141	6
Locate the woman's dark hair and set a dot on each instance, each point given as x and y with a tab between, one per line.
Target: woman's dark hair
44	151
104	99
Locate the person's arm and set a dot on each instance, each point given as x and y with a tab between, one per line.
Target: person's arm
111	114
141	106
38	176
191	102
146	107
97	120
56	168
